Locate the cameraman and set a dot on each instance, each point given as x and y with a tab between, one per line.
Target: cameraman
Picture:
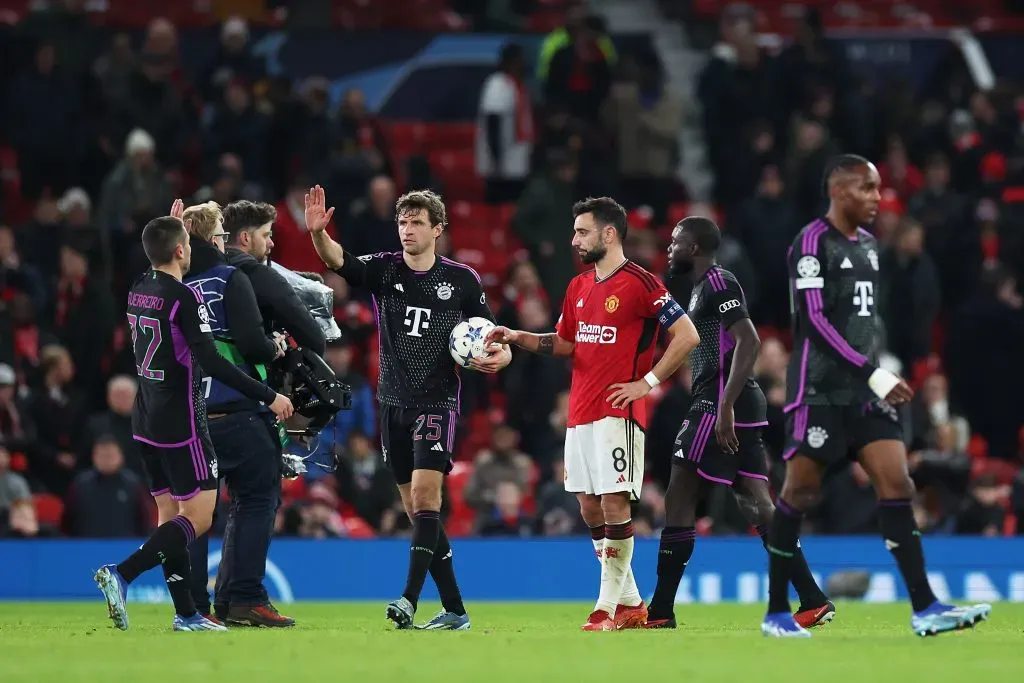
250	226
243	432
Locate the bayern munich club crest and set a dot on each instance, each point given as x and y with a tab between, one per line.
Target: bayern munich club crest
611	304
444	291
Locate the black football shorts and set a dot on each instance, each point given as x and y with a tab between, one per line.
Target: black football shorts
697	448
417	439
830	434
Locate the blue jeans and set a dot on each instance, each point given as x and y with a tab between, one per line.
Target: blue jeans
249	460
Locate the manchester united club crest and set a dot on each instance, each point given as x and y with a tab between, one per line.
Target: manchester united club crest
611	304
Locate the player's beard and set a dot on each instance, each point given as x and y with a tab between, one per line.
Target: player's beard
594	255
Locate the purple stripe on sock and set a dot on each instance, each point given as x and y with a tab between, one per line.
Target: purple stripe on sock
428	514
186	526
894	502
787	509
714	479
679	536
751	475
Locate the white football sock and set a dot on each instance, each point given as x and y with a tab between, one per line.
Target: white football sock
630	592
617	556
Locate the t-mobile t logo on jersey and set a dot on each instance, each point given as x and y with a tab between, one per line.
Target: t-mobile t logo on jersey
418	319
863	292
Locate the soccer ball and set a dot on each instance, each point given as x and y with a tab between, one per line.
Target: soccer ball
467	340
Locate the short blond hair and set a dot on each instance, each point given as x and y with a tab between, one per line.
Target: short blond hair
204	220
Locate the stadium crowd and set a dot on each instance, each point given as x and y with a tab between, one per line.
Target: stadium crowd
102	131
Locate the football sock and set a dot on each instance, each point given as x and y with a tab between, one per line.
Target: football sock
198	552
630	592
807	588
443	573
167	539
426	525
177	574
783	537
902	538
616	558
674	553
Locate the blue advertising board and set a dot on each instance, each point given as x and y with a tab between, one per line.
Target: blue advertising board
556	569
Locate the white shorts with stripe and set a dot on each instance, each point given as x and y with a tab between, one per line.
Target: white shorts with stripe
606	456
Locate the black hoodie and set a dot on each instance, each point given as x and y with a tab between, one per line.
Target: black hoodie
278	303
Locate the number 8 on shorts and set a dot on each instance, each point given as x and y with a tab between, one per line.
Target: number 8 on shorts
606	456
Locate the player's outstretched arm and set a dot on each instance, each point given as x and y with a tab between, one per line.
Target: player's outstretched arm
318	217
549	344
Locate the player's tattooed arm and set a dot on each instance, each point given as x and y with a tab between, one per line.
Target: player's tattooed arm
549	344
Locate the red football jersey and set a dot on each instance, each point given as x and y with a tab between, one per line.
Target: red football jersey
614	324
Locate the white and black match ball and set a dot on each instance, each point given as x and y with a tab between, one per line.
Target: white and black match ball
467	340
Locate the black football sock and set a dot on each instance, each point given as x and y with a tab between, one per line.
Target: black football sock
177	574
443	573
426	524
902	538
167	539
807	588
783	536
674	552
198	552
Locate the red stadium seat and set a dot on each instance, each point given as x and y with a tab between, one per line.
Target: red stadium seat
49	509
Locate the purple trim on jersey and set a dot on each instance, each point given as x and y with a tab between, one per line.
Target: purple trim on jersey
707	422
144	440
803	378
715	278
449	262
159	492
174	309
809	242
799	431
825	329
751	475
714	479
183	355
199	461
751	424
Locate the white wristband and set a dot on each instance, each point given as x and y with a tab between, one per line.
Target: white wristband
882	382
652	379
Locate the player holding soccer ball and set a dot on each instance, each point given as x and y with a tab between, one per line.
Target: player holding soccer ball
419	298
609	325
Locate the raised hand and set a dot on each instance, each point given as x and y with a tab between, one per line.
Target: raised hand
177	209
318	216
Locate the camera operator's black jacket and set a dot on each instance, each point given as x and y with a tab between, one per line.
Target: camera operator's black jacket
278	302
240	304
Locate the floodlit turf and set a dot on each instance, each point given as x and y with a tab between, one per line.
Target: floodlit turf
525	643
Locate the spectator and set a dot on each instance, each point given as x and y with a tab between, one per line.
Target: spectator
114	68
233	61
910	295
354	122
16	274
645	118
557	509
897	172
136	190
58	411
502	462
580	72
364	481
320	518
17	430
505	131
23	524
983	511
116	422
931	413
13	487
541	221
373	228
293	247
506	516
237	127
78	231
108	501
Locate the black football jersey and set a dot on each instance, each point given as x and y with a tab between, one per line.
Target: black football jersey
166	317
833	286
716	304
416	313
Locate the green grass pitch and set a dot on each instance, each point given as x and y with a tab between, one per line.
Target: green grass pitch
524	643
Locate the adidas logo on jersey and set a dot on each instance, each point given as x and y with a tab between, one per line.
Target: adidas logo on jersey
846	264
579	304
437	447
399	287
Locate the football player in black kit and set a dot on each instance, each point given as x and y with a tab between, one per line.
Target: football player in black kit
839	402
174	348
720	439
419	297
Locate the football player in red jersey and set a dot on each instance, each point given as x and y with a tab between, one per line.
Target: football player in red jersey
609	325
